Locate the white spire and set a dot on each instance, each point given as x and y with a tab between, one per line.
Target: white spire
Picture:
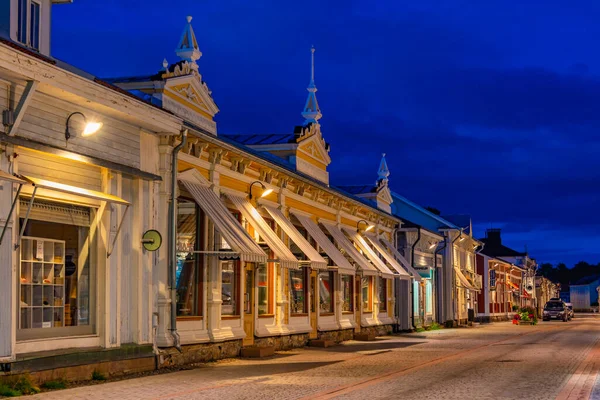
383	172
312	112
188	49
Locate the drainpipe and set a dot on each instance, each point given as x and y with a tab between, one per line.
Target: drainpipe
454	277
173	243
440	310
412	261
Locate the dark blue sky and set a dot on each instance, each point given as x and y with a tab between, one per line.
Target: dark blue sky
488	108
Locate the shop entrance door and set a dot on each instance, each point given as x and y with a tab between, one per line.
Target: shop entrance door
357	302
314	308
249	305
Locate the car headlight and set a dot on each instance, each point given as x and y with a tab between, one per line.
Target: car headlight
546	312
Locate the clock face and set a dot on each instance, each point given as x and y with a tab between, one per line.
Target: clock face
152	240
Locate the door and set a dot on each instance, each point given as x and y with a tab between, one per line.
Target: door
357	302
249	305
314	309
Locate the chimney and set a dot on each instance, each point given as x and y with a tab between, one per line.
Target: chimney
493	236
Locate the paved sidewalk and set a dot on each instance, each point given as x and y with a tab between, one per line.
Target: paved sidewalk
499	361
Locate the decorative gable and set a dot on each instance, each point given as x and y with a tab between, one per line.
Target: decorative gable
312	153
384	198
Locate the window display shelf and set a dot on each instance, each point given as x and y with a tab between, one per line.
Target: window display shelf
42	277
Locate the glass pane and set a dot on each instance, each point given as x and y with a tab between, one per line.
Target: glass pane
228	288
22	28
34	25
262	275
326	292
298	291
347	293
382	294
366	293
187	271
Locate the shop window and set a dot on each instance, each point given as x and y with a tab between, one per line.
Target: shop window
416	289
264	273
428	297
229	287
298	291
492	278
190	265
57	272
348	293
326	293
382	291
367	296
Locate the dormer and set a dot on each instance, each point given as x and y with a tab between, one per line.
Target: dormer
29	23
178	87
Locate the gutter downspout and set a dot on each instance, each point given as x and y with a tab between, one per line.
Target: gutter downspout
440	298
412	261
398	325
173	243
454	277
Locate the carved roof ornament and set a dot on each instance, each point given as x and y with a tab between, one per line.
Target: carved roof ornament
312	112
383	173
188	49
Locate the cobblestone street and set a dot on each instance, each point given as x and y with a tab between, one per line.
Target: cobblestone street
500	361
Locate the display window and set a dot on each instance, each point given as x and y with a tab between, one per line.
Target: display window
230	281
57	272
190	265
347	293
367	296
382	294
264	287
298	291
326	293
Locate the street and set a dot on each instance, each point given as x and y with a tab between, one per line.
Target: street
500	361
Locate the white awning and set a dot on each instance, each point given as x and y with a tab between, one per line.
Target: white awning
416	276
234	234
316	261
4	176
323	241
388	257
463	279
285	256
61	187
348	247
371	255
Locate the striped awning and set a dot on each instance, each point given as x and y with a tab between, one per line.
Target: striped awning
463	279
368	251
323	241
316	261
346	245
283	254
232	231
403	261
385	254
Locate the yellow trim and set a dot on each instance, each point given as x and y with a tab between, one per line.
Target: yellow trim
303	156
174	96
232	183
317	212
183	166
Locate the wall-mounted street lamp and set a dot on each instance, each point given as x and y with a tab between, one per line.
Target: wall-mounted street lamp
90	127
432	245
368	228
265	192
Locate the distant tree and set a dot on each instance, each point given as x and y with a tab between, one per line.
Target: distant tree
433	210
547	270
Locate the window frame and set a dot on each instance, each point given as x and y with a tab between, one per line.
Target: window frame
198	260
25	23
369	301
382	284
351	292
304	272
331	278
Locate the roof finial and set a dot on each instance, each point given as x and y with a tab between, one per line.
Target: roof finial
165	64
383	172
312	112
188	49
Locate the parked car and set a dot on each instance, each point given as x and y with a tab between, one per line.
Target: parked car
555	309
571	312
